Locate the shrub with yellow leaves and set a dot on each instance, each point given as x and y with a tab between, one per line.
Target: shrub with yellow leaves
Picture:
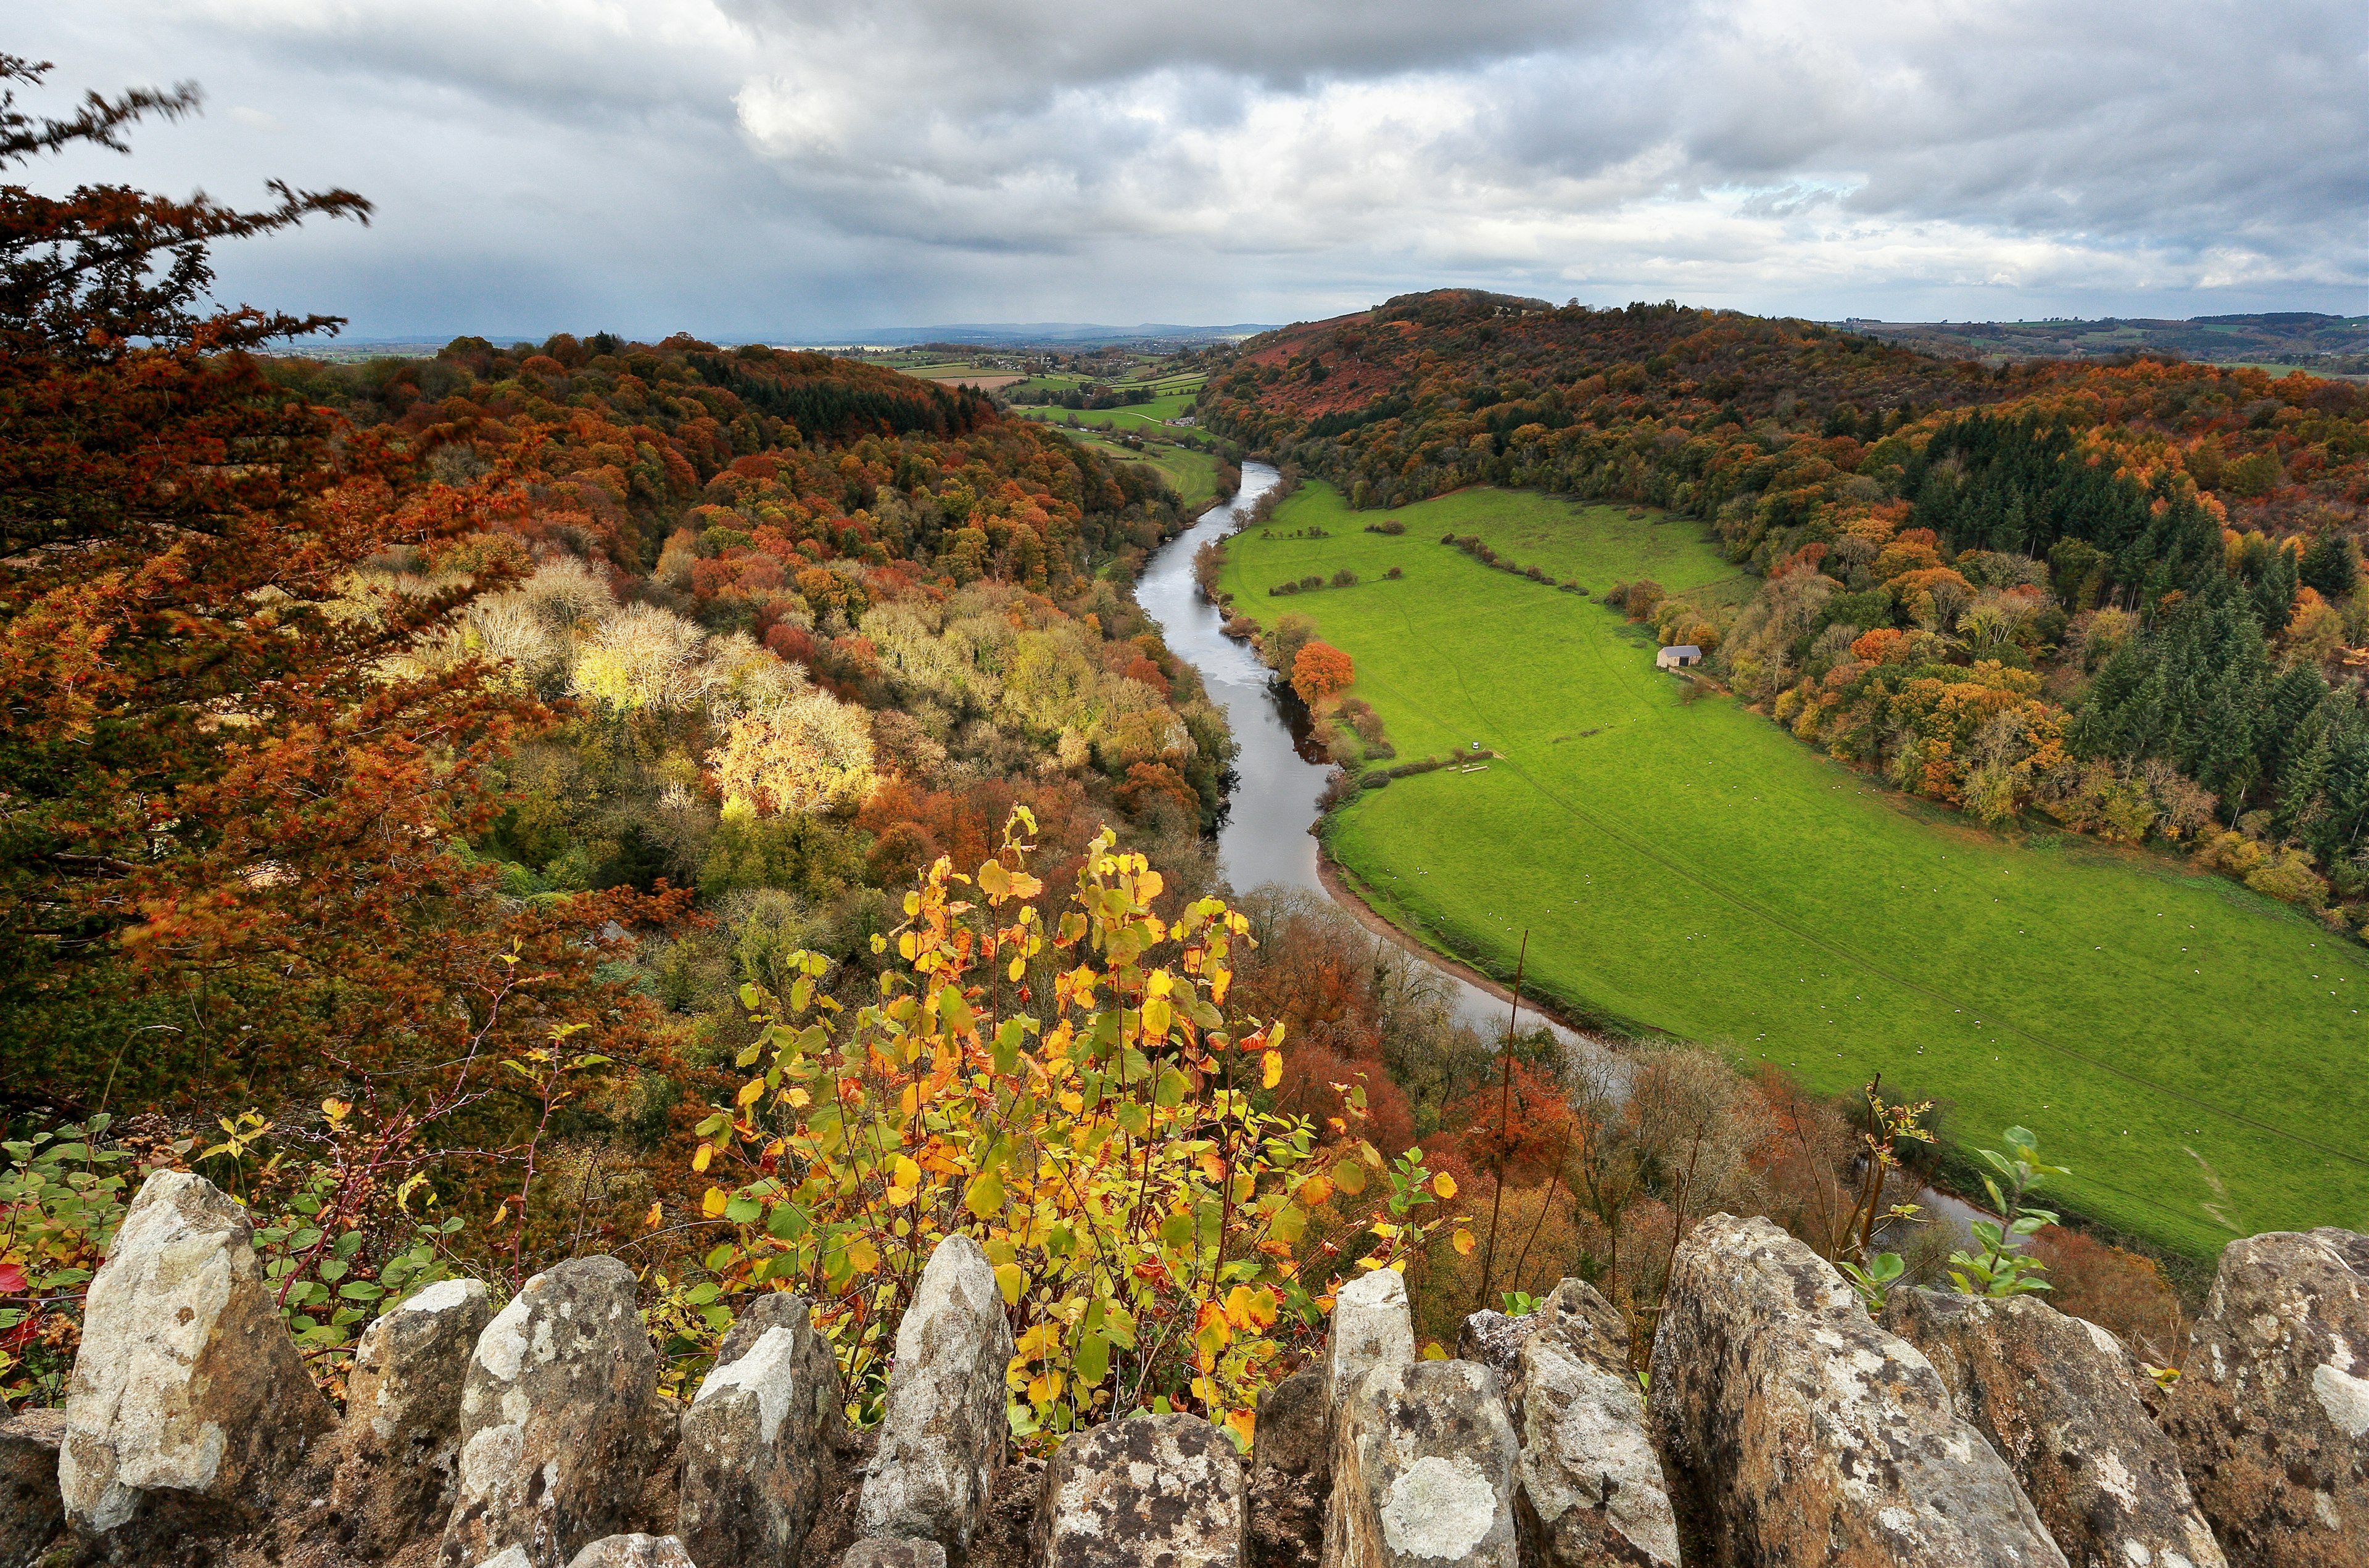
1074	1098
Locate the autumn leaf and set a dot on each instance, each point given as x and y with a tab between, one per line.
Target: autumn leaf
1464	1242
1272	1069
1444	1184
655	1217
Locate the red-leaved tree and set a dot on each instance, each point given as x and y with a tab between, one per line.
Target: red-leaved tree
231	824
1319	670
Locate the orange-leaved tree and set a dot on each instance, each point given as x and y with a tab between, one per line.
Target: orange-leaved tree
228	816
1319	670
1074	1096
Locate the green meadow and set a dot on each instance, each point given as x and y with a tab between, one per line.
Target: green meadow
1193	473
2194	1051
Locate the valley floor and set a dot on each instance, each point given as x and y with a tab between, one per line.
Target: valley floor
2191	1050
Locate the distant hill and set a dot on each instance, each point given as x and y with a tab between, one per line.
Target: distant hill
2328	345
1018	334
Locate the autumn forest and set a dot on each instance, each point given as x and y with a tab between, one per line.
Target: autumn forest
723	806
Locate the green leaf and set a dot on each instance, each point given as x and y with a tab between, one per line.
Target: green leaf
1349	1176
1291	1221
1172	1089
786	1222
360	1290
743	1210
1094	1359
1177	1229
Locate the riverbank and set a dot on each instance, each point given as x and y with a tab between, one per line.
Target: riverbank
1345	890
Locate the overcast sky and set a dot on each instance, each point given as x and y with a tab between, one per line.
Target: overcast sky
771	169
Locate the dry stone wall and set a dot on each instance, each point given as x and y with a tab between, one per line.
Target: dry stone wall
1785	1427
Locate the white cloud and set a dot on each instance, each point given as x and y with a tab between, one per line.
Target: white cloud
770	166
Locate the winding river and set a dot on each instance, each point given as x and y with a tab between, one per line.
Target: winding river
1266	836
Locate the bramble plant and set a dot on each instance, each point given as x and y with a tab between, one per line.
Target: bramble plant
1107	1149
336	1245
2003	1267
62	1197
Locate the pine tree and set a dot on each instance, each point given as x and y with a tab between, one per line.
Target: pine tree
2332	564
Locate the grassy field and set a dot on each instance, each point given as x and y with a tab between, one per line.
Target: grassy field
1173	395
2194	1051
1193	473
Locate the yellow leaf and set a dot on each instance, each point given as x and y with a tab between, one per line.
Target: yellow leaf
654	1218
335	1109
1464	1242
749	1091
1008	1279
1273	1074
1019	967
909	1175
1244	1424
1350	1177
985	1197
1444	1184
1433	1352
706	1152
862	1255
797	1099
1316	1190
713	1204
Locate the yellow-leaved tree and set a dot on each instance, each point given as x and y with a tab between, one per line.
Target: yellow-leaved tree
1074	1098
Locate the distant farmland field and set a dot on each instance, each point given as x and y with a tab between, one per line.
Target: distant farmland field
2194	1052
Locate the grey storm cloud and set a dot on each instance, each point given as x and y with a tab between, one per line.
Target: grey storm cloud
776	166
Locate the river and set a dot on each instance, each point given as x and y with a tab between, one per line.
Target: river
1266	835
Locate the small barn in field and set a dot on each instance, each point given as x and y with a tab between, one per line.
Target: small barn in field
1677	658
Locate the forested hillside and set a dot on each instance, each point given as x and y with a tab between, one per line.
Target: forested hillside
2124	596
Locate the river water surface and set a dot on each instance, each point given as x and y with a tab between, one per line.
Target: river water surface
1266	835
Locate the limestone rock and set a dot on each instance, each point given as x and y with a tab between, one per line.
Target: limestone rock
752	1443
554	1418
1587	1327
943	1427
1588	1488
400	1446
2058	1399
1292	1473
2271	1413
31	1511
190	1409
902	1553
1793	1430
1493	1339
634	1551
1371	1328
1423	1470
1146	1492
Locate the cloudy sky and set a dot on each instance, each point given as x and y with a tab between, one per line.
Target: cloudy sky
772	168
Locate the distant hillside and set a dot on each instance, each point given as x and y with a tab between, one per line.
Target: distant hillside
2327	344
1067	334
